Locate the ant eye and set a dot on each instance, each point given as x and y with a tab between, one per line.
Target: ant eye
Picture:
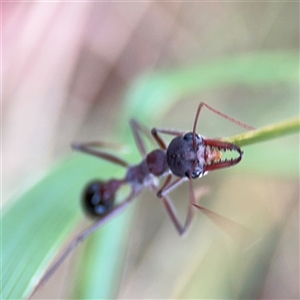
195	174
188	136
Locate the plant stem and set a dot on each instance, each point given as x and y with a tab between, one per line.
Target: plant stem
266	133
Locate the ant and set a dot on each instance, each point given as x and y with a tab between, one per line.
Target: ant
188	156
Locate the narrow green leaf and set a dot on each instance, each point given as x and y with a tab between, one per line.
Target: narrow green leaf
266	133
149	92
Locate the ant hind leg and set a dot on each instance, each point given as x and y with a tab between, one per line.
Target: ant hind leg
90	148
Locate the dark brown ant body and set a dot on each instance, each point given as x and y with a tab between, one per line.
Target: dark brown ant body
188	156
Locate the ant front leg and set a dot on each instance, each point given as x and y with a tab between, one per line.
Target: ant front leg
168	186
159	140
89	148
174	217
182	229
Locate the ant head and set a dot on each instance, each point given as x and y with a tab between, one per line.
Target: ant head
182	156
97	198
193	156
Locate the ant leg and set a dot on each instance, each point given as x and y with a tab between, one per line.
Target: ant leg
173	214
231	119
168	186
138	128
174	218
81	237
233	229
88	148
155	133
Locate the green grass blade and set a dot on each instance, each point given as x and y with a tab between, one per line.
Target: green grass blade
36	224
266	133
253	70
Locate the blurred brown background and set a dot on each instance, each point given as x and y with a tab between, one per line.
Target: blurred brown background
67	66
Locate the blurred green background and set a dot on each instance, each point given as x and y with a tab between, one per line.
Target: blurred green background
78	72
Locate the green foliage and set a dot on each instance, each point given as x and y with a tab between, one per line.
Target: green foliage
37	223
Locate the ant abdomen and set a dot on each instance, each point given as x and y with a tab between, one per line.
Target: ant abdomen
97	198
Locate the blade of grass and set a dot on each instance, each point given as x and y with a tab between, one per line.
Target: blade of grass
266	133
253	70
